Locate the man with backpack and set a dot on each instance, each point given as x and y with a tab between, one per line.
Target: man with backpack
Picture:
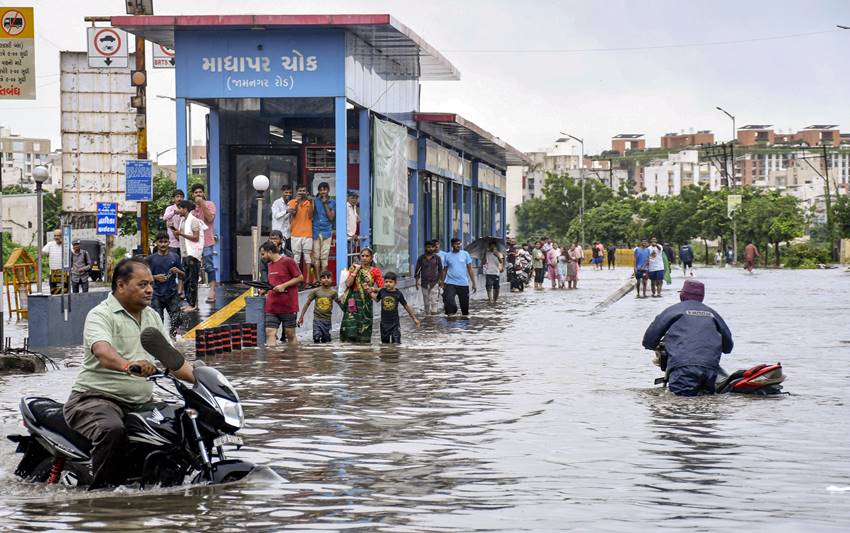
80	267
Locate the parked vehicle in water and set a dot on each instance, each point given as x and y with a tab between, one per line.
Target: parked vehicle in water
168	442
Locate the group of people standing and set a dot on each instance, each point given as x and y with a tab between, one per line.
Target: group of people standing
545	259
307	224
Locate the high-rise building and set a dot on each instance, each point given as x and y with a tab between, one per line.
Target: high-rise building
22	154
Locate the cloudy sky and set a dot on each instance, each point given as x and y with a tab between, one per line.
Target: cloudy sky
530	69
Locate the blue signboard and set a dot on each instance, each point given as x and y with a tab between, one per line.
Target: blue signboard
139	182
107	218
260	64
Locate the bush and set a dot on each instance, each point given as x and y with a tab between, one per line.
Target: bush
118	253
806	255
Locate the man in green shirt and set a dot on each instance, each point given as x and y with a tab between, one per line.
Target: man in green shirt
106	390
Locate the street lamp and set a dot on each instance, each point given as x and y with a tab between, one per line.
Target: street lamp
40	175
581	177
261	185
730	178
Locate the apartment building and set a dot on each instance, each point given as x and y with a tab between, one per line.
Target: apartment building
672	141
20	155
667	177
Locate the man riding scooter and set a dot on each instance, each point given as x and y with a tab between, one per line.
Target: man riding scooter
694	337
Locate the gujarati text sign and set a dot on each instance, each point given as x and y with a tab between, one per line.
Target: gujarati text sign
17	53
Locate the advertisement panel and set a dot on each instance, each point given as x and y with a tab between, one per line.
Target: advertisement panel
390	203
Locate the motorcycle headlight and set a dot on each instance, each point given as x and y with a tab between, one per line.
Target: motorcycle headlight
232	412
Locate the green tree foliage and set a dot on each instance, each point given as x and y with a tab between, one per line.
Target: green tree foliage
766	218
16	189
841	216
163	190
552	213
52	205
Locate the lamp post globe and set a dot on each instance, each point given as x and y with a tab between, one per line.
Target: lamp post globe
260	183
40	174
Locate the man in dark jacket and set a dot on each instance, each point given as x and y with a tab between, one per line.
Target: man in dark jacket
694	336
686	256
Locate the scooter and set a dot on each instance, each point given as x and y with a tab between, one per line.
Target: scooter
168	442
760	380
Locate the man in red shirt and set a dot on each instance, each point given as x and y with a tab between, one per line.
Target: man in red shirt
282	299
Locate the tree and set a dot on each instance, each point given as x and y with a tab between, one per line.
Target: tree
771	218
52	205
163	192
612	222
16	189
552	213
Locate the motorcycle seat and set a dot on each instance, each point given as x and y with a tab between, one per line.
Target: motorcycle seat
48	413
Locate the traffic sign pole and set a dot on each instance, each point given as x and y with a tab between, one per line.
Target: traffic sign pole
142	135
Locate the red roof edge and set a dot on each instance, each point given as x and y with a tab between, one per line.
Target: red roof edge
435	117
248	20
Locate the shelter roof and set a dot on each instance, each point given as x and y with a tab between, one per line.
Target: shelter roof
628	136
454	128
383	32
756	127
821	127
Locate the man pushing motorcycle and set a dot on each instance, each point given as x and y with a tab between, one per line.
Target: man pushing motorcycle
694	337
109	384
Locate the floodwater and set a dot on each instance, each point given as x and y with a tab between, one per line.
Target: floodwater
534	415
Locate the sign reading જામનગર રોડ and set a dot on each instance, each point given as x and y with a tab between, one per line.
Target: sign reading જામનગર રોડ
17	53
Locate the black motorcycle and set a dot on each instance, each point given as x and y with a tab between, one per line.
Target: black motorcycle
168	442
760	380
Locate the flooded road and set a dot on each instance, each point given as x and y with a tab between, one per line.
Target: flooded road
533	415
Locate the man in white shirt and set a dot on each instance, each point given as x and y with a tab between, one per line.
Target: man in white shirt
282	217
352	220
656	267
57	262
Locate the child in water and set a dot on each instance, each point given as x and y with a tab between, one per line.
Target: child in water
324	296
562	271
390	298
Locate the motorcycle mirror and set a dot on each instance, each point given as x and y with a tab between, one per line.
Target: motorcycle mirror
158	346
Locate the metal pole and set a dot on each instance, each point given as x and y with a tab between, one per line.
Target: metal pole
189	138
142	138
830	222
259	235
581	174
40	234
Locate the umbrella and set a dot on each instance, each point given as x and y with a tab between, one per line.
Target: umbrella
479	247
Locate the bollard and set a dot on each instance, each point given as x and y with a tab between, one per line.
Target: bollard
201	343
236	336
249	335
212	335
224	335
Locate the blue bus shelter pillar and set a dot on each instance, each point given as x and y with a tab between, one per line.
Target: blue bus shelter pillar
222	219
182	177
365	180
341	167
450	211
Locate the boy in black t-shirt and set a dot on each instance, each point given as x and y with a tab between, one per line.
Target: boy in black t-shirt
390	299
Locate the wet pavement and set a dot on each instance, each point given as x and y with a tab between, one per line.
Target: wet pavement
533	415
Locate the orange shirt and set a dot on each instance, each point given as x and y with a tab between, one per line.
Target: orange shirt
302	220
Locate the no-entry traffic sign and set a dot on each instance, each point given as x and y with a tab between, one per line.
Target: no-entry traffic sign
107	47
163	57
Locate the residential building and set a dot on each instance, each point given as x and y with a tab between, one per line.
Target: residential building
625	142
667	177
563	158
686	140
20	155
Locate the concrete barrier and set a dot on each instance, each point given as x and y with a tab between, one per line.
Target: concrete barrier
47	324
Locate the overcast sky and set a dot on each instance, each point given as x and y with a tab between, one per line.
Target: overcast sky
530	69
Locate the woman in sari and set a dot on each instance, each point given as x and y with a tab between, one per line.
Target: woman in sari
360	282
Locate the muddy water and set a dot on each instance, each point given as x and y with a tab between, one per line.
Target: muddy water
533	415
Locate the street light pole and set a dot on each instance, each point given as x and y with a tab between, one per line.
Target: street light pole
581	177
730	180
261	184
40	175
